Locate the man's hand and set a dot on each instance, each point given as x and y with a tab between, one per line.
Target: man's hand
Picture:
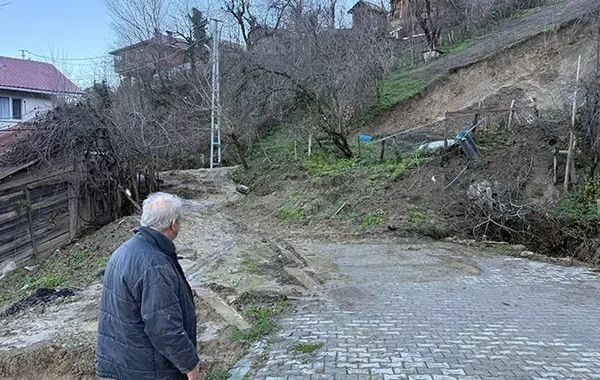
194	374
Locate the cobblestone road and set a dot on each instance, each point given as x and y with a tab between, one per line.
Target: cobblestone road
419	312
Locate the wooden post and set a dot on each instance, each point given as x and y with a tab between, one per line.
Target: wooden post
30	222
511	114
295	149
568	170
309	144
445	135
555	166
382	152
598	207
359	148
572	172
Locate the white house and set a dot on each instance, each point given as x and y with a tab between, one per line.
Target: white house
28	88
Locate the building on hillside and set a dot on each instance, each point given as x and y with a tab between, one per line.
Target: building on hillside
157	55
28	88
369	17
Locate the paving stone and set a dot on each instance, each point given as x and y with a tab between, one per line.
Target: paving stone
398	320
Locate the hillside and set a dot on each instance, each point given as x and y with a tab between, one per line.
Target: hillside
250	257
416	192
535	54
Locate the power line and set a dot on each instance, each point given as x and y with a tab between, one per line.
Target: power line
64	59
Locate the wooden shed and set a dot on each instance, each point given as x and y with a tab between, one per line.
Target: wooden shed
39	209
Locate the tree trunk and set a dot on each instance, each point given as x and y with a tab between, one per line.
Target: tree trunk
341	142
240	151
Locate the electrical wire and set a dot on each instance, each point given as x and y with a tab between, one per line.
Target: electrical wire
66	59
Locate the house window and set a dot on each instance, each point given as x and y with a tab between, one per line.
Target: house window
11	108
17	108
4	108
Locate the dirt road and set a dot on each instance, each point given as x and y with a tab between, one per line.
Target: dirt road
227	265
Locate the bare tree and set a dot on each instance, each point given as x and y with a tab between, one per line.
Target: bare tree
427	15
260	17
136	20
330	76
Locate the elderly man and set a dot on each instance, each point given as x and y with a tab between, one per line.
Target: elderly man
147	319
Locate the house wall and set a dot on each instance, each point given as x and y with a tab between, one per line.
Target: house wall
148	60
366	19
32	105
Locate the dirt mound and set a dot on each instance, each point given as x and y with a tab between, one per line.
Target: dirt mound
41	295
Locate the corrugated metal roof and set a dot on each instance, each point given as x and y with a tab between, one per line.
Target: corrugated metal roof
22	74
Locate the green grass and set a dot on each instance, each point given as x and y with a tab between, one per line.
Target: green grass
458	47
261	318
307	348
292	210
502	249
373	219
249	263
415	217
398	88
76	269
580	205
218	374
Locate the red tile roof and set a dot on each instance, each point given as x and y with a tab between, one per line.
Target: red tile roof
36	76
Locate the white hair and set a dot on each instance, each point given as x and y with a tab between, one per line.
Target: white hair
160	209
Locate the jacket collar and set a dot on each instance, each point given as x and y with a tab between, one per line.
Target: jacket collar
159	240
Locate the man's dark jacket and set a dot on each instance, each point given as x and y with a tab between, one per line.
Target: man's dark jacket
147	320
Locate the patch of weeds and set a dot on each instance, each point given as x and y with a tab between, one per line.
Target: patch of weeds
323	164
50	281
374	219
249	263
218	374
103	262
80	255
307	348
416	217
458	47
261	318
502	249
292	210
492	137
260	360
578	210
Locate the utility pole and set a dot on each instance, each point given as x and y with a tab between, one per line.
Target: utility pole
215	116
22	53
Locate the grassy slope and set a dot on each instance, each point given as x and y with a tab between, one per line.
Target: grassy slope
405	82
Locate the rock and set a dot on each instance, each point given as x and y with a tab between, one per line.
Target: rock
7	267
566	260
527	254
243	189
518	248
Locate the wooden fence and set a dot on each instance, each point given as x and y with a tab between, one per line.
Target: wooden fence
39	210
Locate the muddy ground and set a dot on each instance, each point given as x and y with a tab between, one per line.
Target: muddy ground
228	265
